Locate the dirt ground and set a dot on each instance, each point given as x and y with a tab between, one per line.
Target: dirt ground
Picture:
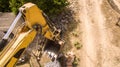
92	32
98	33
100	36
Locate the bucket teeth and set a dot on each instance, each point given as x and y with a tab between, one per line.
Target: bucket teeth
51	55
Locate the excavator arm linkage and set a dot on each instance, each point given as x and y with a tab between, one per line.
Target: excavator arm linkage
34	23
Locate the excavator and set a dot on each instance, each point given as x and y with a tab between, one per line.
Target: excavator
35	23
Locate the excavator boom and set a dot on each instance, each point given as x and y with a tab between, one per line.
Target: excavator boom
15	48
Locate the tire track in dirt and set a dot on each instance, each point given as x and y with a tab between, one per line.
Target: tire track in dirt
95	36
90	34
115	5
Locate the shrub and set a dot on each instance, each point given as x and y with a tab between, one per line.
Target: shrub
15	4
77	45
4	6
48	6
75	62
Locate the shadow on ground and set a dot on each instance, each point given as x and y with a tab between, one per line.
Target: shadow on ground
66	21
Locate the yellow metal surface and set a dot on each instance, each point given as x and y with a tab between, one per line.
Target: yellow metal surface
12	62
22	41
33	15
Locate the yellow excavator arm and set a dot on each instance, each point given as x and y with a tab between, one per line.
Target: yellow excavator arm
15	48
34	23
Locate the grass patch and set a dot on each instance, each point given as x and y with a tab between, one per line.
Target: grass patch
77	45
75	62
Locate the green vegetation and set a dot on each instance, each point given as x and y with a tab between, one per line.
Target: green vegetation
4	6
75	62
75	34
77	45
48	6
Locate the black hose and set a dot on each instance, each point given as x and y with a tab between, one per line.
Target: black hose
3	43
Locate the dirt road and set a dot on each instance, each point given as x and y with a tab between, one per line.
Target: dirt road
98	50
100	35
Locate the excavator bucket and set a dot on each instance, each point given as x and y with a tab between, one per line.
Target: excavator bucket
52	48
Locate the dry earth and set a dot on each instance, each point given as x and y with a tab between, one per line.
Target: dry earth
99	36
